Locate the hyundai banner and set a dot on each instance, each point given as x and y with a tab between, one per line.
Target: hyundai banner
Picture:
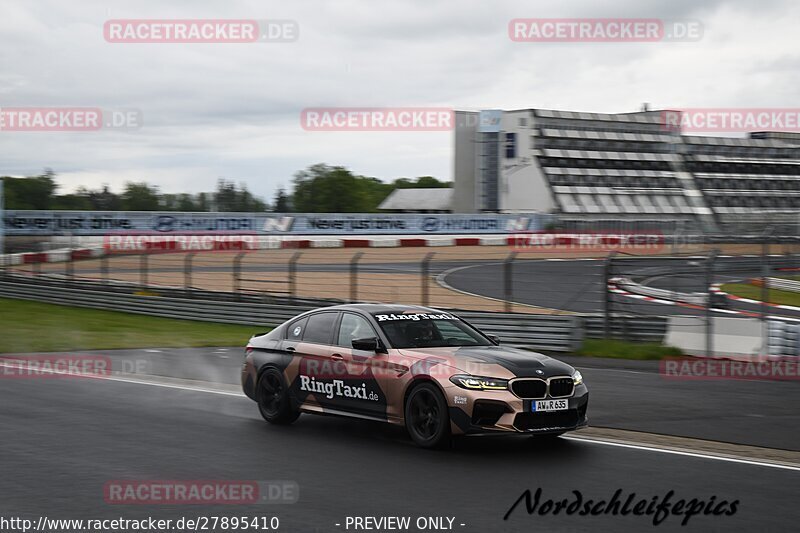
22	223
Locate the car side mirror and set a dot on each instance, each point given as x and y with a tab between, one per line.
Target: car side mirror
371	344
494	338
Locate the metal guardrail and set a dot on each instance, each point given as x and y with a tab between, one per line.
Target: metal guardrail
553	333
634	328
784	284
543	332
696	298
229	312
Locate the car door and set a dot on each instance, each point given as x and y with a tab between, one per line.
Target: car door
367	379
310	340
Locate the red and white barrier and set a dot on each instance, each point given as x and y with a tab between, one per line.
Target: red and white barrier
160	243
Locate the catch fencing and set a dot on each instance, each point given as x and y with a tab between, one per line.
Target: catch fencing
541	332
546	297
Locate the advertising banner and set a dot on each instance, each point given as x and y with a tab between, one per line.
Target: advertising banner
22	223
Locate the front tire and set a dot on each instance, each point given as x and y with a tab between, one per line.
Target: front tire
273	399
427	417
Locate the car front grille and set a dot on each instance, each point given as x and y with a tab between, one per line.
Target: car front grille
529	388
537	389
561	387
554	420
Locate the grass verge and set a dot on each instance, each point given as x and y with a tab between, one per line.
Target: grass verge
745	290
27	326
626	350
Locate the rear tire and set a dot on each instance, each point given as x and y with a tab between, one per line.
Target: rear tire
427	417
272	396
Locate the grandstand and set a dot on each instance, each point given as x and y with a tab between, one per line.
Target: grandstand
629	166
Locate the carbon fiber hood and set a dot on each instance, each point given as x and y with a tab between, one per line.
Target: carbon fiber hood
521	363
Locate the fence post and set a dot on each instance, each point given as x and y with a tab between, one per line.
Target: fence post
765	276
712	258
293	275
508	280
765	291
104	267
237	275
69	266
354	276
187	272
143	262
425	268
607	272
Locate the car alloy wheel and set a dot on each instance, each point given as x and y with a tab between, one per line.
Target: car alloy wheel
273	398
427	418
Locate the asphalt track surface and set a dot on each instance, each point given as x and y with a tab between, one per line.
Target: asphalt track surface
63	439
578	285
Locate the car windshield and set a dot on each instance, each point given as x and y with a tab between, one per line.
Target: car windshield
424	330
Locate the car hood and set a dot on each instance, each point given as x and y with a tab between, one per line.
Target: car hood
494	361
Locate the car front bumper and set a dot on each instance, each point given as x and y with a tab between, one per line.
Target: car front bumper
486	412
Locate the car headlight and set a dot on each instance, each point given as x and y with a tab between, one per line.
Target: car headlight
577	378
480	383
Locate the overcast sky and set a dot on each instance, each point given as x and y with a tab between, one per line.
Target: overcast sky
232	110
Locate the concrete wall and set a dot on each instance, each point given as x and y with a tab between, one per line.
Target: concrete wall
465	162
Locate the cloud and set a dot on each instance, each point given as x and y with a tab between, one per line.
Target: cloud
232	110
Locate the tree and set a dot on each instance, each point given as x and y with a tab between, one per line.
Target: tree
281	202
230	198
73	202
202	202
187	203
35	192
105	200
140	197
326	189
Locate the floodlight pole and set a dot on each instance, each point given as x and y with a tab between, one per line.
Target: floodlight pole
2	224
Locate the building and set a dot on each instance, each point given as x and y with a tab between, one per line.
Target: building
418	201
629	166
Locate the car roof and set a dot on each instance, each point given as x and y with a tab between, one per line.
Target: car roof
378	308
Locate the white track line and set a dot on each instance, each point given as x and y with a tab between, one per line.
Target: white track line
671	451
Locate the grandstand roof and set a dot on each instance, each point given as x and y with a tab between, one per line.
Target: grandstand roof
418	200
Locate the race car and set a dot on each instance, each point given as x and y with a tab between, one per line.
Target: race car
415	366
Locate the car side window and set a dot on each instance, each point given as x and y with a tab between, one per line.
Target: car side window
319	329
354	327
296	329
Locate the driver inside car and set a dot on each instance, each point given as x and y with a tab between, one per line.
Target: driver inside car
423	333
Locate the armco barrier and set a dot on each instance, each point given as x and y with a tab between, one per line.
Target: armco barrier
784	284
634	328
542	332
553	333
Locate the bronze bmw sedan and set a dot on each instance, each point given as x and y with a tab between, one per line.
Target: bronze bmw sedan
415	366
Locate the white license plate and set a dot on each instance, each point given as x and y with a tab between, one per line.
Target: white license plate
549	405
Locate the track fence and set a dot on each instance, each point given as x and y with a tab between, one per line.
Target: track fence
635	293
